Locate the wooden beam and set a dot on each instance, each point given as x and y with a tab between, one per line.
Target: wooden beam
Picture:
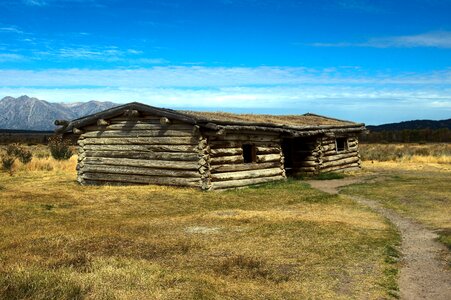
165	121
102	122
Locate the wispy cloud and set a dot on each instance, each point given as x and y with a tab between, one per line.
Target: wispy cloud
438	39
340	92
11	29
35	2
11	57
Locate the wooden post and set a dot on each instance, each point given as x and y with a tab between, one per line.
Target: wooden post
165	121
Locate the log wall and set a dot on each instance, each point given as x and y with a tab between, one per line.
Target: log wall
305	156
227	168
333	160
141	151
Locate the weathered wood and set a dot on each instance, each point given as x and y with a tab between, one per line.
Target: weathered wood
102	122
235	144
246	174
63	123
161	164
353	166
308	163
244	182
77	131
268	157
339	156
137	133
141	141
139	126
126	178
243	167
226	151
187	156
165	121
143	148
131	113
339	162
113	169
267	150
245	138
227	159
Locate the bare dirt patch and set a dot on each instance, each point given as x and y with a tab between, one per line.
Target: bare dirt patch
423	274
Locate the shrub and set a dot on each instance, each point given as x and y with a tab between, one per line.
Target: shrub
25	156
60	148
8	163
17	151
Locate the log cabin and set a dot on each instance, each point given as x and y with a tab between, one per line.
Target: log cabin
141	144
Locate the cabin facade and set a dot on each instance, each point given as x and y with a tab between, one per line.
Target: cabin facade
140	144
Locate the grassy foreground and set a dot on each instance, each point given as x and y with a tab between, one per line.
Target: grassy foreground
418	190
279	241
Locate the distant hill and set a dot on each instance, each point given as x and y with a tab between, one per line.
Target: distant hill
411	125
25	113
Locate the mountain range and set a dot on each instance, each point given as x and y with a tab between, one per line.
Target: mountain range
27	113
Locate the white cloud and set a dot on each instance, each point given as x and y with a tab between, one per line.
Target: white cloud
5	57
35	2
11	29
214	77
342	92
438	39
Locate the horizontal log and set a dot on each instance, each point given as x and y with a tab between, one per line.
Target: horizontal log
139	126
243	167
141	141
145	121
160	164
268	157
236	144
183	156
227	159
140	179
246	174
143	148
308	163
339	156
340	162
112	169
226	151
245	138
243	182
140	118
136	133
267	150
245	132
345	167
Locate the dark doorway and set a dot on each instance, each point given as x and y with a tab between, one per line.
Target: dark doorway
295	152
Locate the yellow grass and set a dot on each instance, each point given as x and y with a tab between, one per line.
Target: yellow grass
407	153
420	190
280	241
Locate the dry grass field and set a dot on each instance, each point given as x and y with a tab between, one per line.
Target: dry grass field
421	191
278	241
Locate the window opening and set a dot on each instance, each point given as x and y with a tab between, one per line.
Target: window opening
249	153
341	144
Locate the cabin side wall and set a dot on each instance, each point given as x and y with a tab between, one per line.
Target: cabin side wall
227	168
333	160
140	151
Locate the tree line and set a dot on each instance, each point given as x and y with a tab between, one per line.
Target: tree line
442	135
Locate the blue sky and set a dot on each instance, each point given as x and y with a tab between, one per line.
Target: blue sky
371	61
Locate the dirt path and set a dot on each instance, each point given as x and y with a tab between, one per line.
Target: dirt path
423	274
